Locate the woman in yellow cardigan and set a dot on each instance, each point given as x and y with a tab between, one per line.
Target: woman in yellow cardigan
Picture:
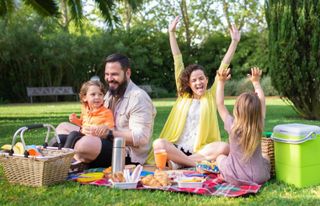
191	133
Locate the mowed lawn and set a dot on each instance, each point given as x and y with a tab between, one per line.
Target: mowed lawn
14	116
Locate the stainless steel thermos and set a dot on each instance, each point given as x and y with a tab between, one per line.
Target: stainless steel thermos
118	154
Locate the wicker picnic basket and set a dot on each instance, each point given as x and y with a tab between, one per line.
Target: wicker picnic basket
50	168
268	150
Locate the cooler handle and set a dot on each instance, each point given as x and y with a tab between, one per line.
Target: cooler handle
310	136
29	127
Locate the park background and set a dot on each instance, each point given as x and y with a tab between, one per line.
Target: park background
63	43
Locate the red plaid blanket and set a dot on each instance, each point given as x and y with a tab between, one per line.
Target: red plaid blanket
212	186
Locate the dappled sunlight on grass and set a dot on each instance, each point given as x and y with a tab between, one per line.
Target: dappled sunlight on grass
14	116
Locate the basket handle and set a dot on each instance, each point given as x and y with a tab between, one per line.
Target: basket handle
21	131
35	126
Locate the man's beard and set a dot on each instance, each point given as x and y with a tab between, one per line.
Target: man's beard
120	90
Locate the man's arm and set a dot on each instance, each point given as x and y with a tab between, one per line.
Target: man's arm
140	123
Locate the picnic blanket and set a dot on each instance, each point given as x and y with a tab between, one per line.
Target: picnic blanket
213	186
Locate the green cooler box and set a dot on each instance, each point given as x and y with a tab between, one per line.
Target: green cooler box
297	154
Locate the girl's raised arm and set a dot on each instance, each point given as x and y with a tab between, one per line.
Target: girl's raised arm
255	79
222	77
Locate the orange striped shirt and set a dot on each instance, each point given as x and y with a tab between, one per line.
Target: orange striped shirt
101	116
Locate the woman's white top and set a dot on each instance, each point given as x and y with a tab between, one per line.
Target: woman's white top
190	132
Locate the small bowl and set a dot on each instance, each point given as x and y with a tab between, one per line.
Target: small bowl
125	185
191	182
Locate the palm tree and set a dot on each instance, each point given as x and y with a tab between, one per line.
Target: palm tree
68	10
43	7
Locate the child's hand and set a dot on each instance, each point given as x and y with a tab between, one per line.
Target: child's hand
224	75
72	117
255	75
87	130
173	25
99	131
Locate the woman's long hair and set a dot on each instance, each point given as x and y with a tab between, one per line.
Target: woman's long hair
248	123
185	77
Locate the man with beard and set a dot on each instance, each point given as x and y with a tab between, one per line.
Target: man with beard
133	113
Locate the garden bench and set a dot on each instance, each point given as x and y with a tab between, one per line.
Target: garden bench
49	91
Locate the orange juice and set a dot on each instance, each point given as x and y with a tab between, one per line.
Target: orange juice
160	157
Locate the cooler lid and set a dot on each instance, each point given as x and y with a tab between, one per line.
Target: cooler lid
295	132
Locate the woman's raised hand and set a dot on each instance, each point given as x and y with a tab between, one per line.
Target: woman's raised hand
235	33
173	24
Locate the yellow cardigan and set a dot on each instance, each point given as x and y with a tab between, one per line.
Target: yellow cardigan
208	128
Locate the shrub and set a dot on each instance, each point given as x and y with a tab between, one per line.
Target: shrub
268	89
294	30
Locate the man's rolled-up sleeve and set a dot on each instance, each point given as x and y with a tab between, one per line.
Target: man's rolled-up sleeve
141	119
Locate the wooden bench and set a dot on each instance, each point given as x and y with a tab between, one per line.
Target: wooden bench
49	91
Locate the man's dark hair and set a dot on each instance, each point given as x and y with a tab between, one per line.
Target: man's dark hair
122	59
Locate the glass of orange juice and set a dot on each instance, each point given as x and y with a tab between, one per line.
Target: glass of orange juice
160	157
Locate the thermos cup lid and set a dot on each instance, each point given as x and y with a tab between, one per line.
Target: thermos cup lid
118	142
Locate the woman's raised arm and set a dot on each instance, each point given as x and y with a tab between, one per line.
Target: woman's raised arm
235	38
172	37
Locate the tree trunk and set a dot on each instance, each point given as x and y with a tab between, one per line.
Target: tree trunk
186	21
64	15
128	13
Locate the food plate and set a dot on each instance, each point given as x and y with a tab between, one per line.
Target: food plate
190	182
157	188
125	185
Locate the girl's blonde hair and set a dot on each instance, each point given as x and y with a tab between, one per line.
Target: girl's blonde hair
248	123
85	86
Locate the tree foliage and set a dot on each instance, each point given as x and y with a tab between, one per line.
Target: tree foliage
36	51
294	30
67	11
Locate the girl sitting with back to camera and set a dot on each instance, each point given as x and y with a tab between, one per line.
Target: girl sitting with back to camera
245	163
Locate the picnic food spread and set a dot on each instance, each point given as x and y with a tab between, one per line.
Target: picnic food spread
89	177
18	149
206	166
187	180
117	177
193	179
159	179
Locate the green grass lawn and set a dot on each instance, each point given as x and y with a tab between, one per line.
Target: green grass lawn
14	116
